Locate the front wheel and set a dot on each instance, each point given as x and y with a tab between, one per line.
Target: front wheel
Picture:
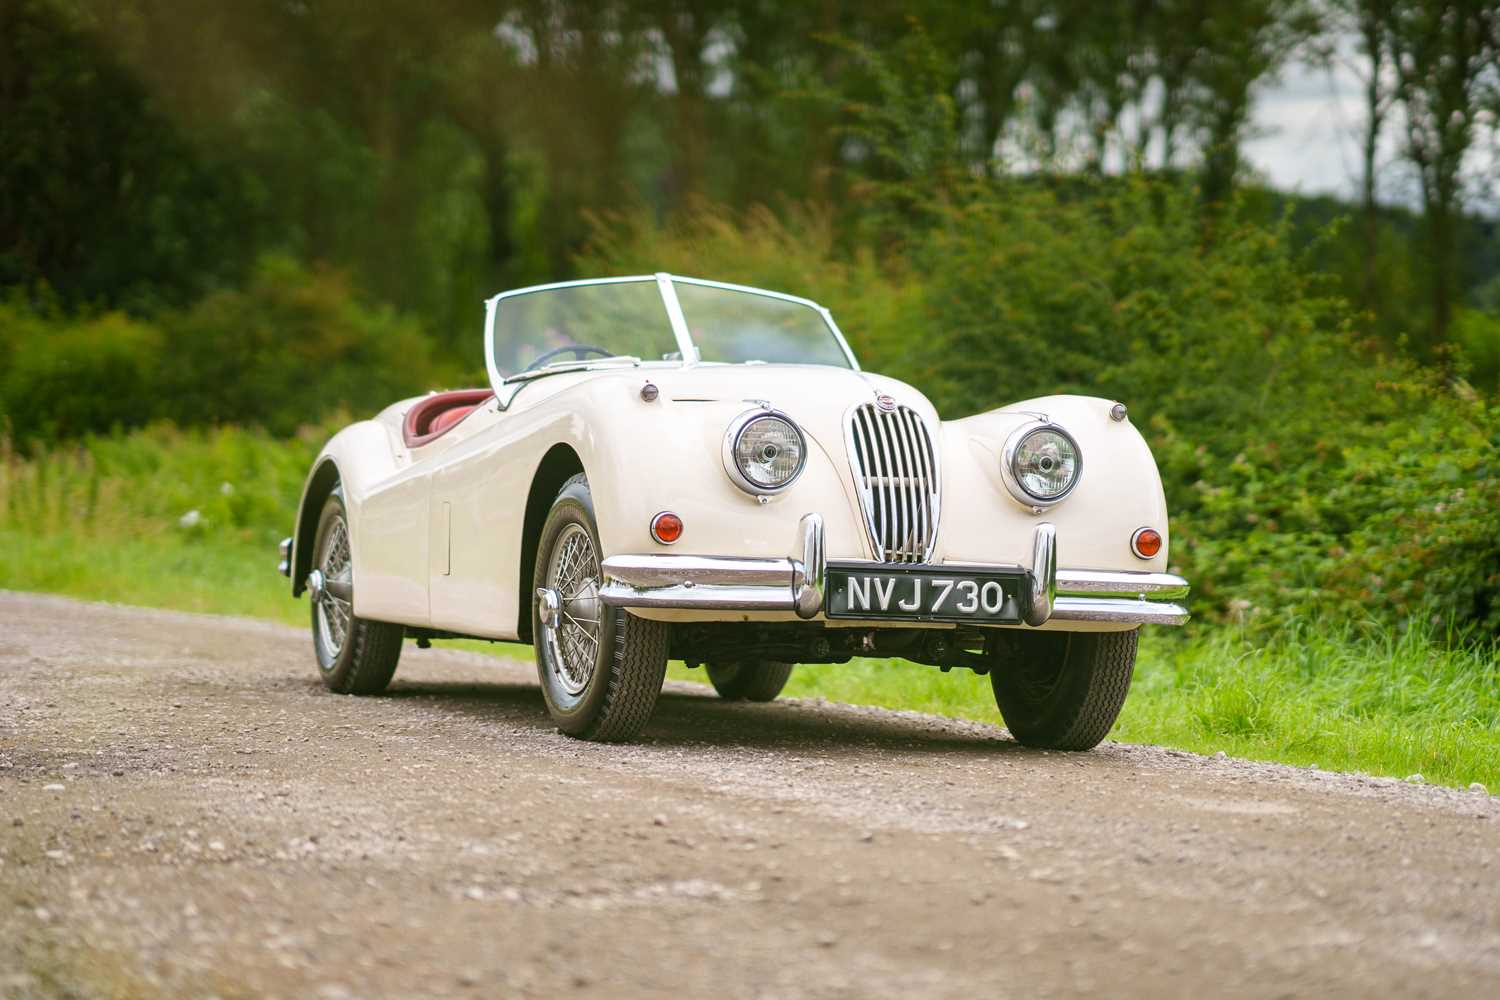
601	668
757	680
1062	690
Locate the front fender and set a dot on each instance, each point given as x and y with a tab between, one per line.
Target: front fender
1119	489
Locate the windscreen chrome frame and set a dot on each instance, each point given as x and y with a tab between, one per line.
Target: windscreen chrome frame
506	387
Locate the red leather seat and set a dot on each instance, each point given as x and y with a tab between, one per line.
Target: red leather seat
448	418
430	418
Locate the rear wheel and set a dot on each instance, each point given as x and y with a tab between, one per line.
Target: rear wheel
355	656
757	680
1062	690
601	668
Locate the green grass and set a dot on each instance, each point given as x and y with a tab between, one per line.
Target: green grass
104	522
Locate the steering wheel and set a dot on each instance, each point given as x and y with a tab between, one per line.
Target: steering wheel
580	351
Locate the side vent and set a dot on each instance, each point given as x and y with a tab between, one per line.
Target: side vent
896	472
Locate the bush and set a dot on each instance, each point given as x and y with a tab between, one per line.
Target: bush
61	377
289	349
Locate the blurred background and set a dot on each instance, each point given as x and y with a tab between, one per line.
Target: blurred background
1269	226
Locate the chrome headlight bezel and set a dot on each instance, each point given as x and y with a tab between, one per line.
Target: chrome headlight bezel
1008	467
736	428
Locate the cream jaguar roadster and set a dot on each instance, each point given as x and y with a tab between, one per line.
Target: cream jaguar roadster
671	468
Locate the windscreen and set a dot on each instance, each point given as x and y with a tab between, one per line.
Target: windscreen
582	323
734	326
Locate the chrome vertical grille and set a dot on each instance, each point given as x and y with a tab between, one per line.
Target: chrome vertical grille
896	472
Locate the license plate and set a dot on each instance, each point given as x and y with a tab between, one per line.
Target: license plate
924	594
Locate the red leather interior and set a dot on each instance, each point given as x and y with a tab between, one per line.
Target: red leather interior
429	418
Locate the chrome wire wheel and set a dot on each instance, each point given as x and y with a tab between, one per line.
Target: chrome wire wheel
573	642
335	569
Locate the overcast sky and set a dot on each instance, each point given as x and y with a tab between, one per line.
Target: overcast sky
1307	133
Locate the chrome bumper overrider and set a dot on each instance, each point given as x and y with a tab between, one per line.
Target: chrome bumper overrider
796	584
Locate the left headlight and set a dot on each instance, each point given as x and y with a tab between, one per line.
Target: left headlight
1041	464
764	452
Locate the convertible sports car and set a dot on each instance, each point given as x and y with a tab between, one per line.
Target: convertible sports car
664	467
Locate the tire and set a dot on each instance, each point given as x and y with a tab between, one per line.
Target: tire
754	681
355	655
601	689
1063	690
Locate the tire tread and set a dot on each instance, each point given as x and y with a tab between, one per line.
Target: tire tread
1112	664
377	650
640	667
1097	673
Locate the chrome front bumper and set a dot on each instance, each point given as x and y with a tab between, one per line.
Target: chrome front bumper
717	583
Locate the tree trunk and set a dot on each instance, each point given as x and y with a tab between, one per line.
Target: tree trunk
1374	118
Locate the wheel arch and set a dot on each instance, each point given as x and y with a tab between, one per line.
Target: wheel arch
558	465
321	483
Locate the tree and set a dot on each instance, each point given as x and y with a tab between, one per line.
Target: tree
102	197
1445	56
1241	44
1367	22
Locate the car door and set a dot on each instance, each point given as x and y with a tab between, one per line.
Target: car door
477	508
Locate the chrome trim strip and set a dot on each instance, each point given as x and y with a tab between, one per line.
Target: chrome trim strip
1105	609
685	345
890	521
843	341
1119	583
1043	574
810	573
706	597
646	572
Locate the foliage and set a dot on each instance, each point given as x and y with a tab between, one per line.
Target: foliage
157	148
288	349
102	197
62	376
240	484
1476	334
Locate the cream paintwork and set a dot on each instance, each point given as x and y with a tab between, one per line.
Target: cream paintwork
437	532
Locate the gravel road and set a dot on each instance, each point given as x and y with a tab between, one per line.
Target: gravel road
185	811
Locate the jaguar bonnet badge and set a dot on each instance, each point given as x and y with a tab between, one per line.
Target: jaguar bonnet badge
886	403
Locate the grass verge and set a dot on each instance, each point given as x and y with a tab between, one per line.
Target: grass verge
111	521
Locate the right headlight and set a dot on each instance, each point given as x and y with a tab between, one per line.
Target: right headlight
764	452
1041	464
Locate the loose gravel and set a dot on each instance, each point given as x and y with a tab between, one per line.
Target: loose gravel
184	811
